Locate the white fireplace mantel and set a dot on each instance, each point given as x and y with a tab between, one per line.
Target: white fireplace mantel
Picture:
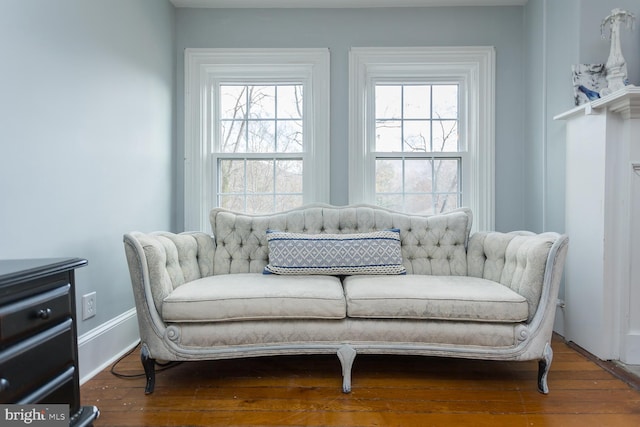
602	219
625	102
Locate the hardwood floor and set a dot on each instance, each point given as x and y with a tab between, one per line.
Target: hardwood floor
387	391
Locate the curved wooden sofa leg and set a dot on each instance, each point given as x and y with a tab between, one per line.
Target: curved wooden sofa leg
543	369
149	369
347	355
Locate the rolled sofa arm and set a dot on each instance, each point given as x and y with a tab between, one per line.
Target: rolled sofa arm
158	263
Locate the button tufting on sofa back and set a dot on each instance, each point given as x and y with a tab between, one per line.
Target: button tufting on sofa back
192	256
174	259
430	244
513	260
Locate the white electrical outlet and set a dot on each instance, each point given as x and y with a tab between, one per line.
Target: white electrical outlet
88	305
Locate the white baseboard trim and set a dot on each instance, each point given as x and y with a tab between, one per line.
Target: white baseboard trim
102	346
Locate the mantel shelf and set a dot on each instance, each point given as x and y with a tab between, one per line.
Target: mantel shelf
626	101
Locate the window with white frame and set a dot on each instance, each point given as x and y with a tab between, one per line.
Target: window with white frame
417	151
421	129
258	154
256	130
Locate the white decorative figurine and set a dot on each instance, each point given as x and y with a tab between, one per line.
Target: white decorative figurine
616	65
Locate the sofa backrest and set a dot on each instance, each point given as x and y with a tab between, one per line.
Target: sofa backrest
433	244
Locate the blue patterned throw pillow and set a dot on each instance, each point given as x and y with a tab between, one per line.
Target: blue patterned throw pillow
377	252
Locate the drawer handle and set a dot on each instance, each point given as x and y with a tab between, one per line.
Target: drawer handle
44	314
4	384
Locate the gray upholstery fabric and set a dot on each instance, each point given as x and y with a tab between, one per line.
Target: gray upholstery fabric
251	296
430	244
357	331
173	259
516	260
194	254
433	297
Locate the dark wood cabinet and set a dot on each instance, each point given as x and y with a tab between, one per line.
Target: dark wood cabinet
38	335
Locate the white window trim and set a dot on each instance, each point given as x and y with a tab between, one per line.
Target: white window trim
476	66
203	67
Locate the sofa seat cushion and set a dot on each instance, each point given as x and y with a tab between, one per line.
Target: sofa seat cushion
254	296
433	297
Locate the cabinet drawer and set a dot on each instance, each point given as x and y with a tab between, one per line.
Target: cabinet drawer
27	365
34	313
57	390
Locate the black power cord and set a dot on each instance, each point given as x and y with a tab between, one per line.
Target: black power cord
161	366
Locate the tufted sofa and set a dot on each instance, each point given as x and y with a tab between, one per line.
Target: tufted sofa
488	295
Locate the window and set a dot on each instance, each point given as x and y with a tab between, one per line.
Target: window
256	130
416	149
421	129
259	154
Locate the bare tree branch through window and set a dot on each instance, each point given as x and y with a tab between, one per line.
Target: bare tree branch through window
261	133
417	144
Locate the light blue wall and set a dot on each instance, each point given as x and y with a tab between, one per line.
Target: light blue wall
86	134
562	38
559	34
593	49
552	38
534	112
340	29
